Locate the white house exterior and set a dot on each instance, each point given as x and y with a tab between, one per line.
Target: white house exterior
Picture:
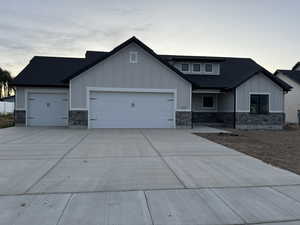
292	98
133	87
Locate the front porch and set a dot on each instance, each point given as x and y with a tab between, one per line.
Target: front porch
219	108
213	107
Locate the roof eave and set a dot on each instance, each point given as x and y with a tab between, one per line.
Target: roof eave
281	84
40	85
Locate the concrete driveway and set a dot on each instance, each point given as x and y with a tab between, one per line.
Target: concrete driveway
137	176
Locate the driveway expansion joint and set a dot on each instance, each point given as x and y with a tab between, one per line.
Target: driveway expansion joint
162	158
286	195
64	209
234	211
57	162
148	208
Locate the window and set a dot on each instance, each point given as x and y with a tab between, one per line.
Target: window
185	67
259	103
133	57
208	67
208	102
196	67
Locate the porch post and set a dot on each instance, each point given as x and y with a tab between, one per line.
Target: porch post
234	110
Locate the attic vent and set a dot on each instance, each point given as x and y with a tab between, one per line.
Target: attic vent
133	57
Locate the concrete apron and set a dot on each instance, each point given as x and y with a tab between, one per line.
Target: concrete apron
137	176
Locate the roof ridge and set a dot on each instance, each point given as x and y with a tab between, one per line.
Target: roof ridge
55	57
180	55
224	57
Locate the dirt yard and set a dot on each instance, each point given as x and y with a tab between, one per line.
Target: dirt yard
279	148
6	121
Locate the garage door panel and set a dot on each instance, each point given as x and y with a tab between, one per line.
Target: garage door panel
47	109
131	110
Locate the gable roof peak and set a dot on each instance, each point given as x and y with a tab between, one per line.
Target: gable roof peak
118	48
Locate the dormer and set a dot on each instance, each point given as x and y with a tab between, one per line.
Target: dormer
199	68
195	65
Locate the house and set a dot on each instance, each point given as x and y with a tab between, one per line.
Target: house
292	99
133	87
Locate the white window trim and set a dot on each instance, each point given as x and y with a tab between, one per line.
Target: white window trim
185	71
260	93
131	58
196	72
214	102
212	68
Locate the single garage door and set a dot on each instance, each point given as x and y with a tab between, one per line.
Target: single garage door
47	109
131	110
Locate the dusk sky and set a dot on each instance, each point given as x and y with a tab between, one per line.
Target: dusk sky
265	30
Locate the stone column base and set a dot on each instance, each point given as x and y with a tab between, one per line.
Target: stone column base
268	121
78	119
183	119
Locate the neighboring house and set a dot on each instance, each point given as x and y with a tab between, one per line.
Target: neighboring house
133	87
292	99
8	99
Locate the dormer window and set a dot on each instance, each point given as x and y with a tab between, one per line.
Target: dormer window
208	67
185	67
196	67
133	57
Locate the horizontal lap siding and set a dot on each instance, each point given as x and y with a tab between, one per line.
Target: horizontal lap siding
117	72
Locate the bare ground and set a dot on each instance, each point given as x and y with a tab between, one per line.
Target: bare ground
279	148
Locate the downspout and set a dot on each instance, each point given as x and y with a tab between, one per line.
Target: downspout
234	110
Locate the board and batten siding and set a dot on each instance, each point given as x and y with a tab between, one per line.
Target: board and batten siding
259	84
21	94
226	102
117	72
20	98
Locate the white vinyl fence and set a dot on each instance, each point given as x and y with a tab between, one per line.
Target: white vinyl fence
7	107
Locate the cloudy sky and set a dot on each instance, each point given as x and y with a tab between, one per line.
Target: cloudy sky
265	30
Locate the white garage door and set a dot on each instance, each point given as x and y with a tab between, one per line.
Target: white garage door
47	109
131	110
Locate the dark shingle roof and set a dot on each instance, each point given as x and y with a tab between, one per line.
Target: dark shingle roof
297	64
102	57
48	71
93	55
54	71
292	74
233	72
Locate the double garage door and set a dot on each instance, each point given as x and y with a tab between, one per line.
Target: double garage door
106	110
131	110
47	109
